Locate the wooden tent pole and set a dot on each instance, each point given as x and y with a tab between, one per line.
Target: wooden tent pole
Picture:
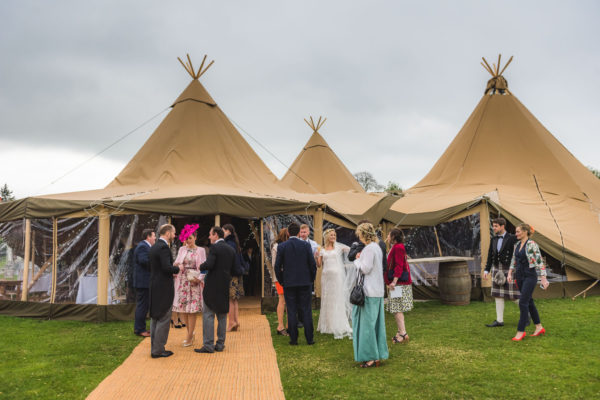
191	66
484	234
487	69
509	60
488	65
498	68
42	269
339	221
217	219
32	259
262	258
318	237
103	256
201	66
54	258
25	289
437	239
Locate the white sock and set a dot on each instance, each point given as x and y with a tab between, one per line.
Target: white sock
499	309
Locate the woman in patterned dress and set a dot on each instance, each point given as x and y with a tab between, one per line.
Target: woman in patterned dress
402	300
188	284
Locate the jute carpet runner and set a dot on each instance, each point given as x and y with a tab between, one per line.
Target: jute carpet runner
247	369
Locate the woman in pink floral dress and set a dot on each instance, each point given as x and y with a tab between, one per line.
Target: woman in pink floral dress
189	283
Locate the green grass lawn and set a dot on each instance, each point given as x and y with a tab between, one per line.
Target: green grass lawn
59	359
452	355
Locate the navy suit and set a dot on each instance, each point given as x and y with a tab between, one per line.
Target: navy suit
141	283
295	268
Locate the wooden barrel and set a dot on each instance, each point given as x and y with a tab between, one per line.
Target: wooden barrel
454	282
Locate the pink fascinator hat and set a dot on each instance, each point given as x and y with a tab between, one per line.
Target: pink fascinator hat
187	231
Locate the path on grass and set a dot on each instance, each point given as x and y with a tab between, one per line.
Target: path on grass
247	369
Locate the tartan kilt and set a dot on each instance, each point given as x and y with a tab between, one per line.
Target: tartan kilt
508	290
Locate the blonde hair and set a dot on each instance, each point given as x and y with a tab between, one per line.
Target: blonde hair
327	232
367	231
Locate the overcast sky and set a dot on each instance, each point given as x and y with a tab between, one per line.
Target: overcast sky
395	79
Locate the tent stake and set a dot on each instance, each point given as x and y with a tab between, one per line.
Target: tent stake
583	292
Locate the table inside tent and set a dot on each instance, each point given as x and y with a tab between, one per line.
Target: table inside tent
88	290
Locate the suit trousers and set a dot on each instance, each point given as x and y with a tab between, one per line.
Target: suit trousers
526	281
141	309
298	301
208	328
159	333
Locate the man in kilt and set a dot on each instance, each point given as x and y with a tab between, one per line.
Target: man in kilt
499	257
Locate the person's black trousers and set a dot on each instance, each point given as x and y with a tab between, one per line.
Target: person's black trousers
526	281
298	300
141	309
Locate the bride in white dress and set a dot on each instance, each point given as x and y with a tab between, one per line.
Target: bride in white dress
336	281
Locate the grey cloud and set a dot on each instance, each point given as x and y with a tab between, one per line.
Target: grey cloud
396	79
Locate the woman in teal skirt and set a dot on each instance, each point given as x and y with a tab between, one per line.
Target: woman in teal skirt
368	320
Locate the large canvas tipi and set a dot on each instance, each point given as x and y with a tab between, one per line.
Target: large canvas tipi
504	161
317	169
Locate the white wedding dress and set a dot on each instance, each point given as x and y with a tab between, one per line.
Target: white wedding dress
337	278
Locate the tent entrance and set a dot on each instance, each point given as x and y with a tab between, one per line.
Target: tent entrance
247	231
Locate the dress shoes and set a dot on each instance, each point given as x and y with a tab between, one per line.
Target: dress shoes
293	343
144	333
310	343
219	348
204	350
494	324
163	354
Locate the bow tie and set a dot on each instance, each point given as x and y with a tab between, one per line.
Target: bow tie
500	237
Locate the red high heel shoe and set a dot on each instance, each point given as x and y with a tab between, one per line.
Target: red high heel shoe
519	339
541	332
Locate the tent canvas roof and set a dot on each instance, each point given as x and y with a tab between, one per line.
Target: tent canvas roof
196	163
503	154
317	169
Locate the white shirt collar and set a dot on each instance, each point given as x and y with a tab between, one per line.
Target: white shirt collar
164	240
147	242
220	240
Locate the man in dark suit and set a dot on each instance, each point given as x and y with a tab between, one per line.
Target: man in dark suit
218	266
295	268
141	281
162	290
499	256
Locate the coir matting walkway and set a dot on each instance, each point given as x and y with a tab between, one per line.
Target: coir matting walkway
247	369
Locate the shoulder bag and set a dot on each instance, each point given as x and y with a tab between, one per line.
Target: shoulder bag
357	295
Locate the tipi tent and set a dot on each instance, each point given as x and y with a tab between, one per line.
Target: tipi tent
503	161
195	163
317	169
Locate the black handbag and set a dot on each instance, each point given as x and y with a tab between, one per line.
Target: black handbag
357	295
